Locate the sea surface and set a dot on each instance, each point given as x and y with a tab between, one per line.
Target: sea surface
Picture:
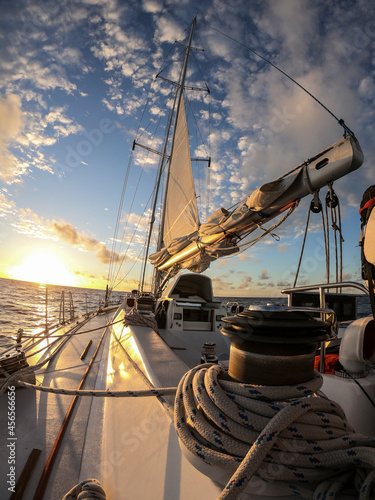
23	304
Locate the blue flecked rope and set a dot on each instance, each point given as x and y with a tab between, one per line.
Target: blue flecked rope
86	490
163	391
286	434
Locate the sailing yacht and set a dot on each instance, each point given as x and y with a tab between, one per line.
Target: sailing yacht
180	400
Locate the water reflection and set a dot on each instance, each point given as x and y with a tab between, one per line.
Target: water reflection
23	305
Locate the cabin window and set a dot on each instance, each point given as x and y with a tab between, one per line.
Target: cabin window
196	315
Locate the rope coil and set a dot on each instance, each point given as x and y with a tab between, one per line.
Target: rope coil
86	490
286	434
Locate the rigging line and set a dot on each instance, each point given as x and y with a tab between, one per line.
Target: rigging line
328	244
303	247
112	263
195	121
228	232
129	270
236	205
339	120
110	270
251	243
74	334
360	386
266	231
341	237
159	115
142	116
171	46
326	249
130	242
114	276
334	227
199	69
208	177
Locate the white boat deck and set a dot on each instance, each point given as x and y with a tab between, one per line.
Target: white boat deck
39	416
128	444
142	458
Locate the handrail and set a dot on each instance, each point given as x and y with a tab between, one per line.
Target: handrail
71	305
326	286
321	288
62	307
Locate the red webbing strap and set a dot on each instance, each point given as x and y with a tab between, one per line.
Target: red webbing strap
369	204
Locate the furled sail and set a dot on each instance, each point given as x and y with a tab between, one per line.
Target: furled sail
181	211
221	233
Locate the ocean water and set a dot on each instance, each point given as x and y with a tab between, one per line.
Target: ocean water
23	304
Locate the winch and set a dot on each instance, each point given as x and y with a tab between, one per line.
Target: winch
274	345
13	361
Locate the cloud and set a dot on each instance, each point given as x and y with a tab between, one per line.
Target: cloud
31	224
168	29
60	123
278	125
7	207
264	275
67	233
11	125
282	247
152	6
247	280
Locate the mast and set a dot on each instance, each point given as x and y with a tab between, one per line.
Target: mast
180	91
177	100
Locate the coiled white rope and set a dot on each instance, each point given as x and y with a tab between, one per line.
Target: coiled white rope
134	317
286	434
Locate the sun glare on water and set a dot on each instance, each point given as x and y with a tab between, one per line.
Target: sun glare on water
44	267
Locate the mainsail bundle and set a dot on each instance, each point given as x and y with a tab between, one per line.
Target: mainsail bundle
185	243
222	232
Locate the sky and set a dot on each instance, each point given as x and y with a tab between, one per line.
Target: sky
75	77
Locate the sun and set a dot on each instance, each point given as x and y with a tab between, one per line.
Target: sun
44	267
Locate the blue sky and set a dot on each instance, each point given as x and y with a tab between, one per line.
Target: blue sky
75	76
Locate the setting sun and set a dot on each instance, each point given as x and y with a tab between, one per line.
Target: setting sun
44	267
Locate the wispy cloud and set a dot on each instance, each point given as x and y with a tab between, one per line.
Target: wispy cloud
11	125
7	206
264	275
31	224
67	233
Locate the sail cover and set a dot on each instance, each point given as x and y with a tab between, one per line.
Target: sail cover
181	212
220	235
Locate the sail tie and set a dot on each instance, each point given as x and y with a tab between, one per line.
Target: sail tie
274	235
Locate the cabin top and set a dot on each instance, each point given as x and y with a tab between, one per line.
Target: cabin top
191	286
